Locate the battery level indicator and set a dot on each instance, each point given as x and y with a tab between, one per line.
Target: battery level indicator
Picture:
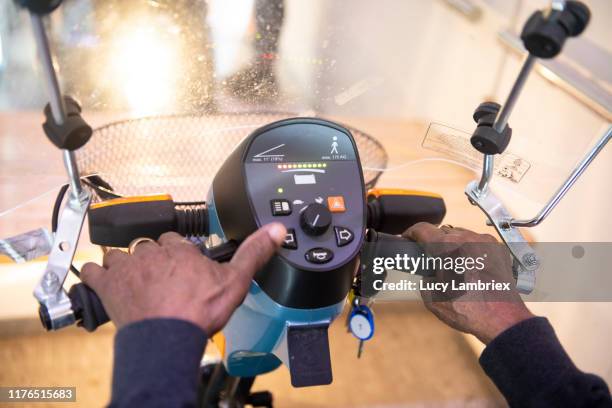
301	166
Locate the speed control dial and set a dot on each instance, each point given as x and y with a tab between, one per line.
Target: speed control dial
315	219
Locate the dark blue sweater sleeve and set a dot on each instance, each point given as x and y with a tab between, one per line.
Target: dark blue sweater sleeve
156	364
531	369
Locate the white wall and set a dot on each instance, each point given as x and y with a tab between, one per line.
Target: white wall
436	65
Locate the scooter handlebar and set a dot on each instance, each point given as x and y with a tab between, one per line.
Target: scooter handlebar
382	245
392	211
88	308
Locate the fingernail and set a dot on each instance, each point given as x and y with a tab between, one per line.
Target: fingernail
277	232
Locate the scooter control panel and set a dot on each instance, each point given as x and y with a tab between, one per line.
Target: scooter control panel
307	175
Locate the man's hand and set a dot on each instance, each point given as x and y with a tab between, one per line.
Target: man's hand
170	278
485	314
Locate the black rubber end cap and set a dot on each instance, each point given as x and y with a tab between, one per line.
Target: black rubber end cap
582	16
543	38
72	134
44	317
40	7
488	141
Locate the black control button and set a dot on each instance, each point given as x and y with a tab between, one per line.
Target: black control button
280	207
344	236
319	255
290	241
315	219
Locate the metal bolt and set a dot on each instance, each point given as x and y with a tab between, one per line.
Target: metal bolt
530	259
50	282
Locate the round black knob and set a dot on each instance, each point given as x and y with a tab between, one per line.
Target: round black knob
315	219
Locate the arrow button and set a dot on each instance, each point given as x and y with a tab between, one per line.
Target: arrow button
290	241
344	236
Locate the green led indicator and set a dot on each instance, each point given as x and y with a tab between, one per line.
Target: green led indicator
280	190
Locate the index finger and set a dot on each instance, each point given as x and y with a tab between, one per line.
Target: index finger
92	274
113	257
171	238
424	232
256	250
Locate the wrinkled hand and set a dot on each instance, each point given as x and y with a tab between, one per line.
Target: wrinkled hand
170	278
485	314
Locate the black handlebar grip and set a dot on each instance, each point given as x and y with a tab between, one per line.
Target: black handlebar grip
117	222
89	310
394	211
382	245
389	246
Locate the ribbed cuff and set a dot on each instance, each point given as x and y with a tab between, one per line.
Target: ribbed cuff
157	363
526	360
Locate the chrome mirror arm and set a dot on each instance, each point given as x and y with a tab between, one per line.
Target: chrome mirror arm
543	35
567	184
55	306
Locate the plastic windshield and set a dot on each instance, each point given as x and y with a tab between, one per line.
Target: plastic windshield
186	80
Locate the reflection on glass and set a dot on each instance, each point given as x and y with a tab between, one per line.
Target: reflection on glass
145	67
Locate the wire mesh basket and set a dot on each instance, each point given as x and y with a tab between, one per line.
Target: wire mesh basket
180	154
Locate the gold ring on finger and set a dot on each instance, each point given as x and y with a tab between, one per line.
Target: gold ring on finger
135	242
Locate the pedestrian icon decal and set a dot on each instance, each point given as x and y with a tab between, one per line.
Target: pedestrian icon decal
334	145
